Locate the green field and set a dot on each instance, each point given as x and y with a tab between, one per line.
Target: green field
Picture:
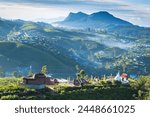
11	89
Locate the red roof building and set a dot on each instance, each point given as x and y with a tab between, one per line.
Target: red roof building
38	81
124	76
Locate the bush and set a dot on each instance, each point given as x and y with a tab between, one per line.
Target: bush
117	83
10	97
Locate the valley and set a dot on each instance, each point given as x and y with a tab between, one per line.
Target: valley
117	45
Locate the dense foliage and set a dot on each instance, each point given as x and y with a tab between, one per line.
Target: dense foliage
11	89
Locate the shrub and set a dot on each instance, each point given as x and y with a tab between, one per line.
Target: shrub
10	97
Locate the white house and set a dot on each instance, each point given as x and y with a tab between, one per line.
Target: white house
122	78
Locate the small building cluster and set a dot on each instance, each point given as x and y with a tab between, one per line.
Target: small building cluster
38	81
80	82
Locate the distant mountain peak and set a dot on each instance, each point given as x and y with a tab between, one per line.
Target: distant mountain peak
101	19
81	13
101	15
74	16
78	13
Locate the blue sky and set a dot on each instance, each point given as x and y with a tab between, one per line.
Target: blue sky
134	11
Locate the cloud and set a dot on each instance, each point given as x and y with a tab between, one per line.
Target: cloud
26	12
45	2
64	2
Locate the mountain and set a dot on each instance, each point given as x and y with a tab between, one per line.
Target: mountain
95	20
76	16
107	19
16	55
7	26
25	43
97	51
104	21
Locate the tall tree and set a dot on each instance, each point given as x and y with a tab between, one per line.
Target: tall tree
15	74
30	73
81	74
2	72
44	69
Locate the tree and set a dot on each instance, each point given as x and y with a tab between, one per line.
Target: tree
77	68
15	74
124	61
44	69
81	74
30	73
2	72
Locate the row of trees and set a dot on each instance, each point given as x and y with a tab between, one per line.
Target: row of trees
16	74
80	72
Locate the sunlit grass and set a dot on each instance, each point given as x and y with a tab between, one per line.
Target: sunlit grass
9	81
29	26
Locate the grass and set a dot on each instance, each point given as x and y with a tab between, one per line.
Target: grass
46	29
10	81
29	26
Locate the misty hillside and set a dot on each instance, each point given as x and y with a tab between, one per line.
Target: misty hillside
119	47
103	21
13	55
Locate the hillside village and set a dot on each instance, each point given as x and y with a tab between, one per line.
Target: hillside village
39	81
97	50
96	59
